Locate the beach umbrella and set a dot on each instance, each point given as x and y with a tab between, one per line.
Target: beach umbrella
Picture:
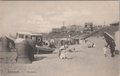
109	39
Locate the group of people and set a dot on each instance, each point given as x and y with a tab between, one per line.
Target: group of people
109	48
49	43
91	44
110	44
64	48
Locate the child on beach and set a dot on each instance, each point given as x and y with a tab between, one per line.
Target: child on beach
105	49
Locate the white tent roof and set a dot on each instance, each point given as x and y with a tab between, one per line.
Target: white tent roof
26	33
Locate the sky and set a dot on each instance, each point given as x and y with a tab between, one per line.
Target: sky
42	16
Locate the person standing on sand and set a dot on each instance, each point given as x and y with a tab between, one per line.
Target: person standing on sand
110	42
62	52
112	49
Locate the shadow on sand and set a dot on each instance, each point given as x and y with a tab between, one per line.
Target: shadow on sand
69	58
39	58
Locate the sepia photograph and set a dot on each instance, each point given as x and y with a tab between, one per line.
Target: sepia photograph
59	38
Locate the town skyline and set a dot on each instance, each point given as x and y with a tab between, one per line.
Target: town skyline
42	16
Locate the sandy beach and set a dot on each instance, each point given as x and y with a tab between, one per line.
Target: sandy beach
83	61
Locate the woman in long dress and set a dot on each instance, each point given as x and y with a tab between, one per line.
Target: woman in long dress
63	52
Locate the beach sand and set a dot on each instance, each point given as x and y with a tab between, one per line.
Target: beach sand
83	61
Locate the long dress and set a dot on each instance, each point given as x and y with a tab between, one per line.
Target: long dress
63	54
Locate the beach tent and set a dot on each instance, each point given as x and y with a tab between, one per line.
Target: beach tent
64	41
24	50
4	44
117	40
